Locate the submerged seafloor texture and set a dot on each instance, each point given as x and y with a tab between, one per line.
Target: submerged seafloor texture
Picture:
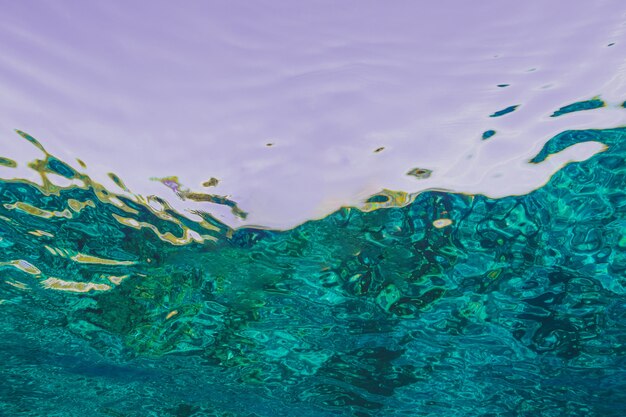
452	305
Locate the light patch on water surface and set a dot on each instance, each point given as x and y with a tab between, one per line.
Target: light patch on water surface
117	280
89	259
73	286
23	266
441	223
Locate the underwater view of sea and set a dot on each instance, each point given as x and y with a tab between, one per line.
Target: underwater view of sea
317	208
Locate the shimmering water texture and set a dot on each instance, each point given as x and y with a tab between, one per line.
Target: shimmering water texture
438	304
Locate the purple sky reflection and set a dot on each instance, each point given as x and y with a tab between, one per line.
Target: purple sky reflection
197	89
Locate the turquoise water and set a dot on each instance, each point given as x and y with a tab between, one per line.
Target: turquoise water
443	304
592	104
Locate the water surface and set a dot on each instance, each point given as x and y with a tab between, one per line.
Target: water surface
320	209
